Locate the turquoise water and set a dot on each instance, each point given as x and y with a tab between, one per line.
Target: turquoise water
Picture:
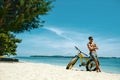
111	65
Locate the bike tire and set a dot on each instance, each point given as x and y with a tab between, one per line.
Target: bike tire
90	63
71	63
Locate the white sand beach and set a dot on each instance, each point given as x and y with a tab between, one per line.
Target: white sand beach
40	71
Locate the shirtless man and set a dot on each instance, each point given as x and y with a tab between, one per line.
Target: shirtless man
92	48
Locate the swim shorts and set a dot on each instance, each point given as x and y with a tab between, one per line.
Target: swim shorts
93	55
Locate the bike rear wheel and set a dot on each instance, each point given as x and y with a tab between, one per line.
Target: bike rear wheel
91	65
71	63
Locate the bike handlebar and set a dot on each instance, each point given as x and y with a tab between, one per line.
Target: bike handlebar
81	51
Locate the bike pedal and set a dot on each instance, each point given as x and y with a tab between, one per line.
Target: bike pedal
83	64
80	65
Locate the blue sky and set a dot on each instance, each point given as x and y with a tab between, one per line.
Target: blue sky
70	23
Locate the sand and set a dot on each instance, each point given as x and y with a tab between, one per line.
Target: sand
40	71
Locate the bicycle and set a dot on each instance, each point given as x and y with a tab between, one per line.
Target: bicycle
88	62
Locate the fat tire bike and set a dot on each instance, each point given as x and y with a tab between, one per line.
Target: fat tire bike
88	62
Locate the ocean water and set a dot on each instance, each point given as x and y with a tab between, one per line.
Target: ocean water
111	65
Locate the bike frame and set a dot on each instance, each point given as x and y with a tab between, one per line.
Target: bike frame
83	60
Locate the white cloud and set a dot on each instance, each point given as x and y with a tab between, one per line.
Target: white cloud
109	47
45	45
57	31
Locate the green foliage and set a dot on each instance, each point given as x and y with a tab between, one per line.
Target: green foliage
21	15
18	16
8	44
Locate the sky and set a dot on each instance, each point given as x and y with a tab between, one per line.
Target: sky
69	24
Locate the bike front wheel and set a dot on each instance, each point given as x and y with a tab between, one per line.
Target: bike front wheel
71	63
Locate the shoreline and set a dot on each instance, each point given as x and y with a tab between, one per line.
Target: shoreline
76	68
42	71
110	65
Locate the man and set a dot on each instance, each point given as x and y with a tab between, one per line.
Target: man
92	48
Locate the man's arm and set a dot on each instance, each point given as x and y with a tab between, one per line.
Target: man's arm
95	46
91	48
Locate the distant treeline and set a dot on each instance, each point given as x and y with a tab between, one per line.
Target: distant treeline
59	56
51	56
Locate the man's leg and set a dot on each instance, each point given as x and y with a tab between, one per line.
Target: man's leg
97	66
94	56
96	61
